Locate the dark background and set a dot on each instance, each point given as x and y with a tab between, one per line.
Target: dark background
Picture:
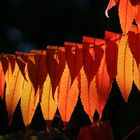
27	24
34	24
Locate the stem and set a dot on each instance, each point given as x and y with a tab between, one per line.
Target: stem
132	132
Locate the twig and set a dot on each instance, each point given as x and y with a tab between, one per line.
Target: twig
131	133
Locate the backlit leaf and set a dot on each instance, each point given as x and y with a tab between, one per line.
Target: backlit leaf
11	59
37	70
68	86
74	53
134	43
103	84
111	53
14	92
55	61
42	69
2	81
137	15
124	68
68	95
88	95
21	64
6	68
91	60
48	103
29	100
127	14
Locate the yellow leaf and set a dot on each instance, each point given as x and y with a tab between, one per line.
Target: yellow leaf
124	76
136	74
29	100
13	92
48	104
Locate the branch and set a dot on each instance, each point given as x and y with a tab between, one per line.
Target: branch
131	132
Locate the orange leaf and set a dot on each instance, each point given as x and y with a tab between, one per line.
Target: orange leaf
111	53
29	100
91	60
13	92
67	95
111	4
68	87
55	65
2	81
7	68
103	84
48	104
124	68
127	14
134	43
88	94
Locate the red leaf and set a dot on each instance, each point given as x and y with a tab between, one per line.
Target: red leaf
37	70
11	59
111	53
92	56
55	61
21	64
5	63
134	43
41	70
74	54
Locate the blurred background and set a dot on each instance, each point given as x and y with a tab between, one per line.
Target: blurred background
27	24
34	24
